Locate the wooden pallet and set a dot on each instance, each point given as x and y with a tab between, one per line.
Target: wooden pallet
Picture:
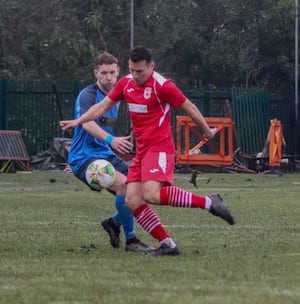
13	153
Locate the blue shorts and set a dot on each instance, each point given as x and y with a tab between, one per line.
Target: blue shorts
118	163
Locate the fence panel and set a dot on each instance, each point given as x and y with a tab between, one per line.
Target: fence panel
35	108
251	117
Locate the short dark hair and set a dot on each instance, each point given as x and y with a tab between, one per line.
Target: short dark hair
105	58
140	53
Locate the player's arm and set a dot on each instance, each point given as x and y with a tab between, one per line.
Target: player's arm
120	144
190	109
93	113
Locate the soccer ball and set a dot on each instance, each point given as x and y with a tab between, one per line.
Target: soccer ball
100	174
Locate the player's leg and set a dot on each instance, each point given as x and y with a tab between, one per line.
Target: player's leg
112	224
159	168
149	220
125	215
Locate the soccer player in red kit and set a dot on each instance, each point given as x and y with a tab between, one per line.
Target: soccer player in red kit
150	98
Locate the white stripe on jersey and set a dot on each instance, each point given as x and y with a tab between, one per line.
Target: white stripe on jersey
159	78
137	108
167	107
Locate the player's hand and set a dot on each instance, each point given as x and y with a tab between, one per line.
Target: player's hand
122	144
68	125
211	133
68	169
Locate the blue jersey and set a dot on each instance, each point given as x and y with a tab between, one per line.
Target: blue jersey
85	146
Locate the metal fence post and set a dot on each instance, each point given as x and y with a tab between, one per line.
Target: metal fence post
3	104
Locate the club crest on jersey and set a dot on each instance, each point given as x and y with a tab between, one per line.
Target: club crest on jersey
147	92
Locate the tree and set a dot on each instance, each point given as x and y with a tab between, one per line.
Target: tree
221	42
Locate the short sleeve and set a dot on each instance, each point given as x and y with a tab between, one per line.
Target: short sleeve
172	94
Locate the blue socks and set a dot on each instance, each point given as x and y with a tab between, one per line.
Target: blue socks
124	217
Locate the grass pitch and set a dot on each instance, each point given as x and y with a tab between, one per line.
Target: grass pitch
53	249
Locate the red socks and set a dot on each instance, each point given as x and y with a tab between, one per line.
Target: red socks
172	196
177	197
150	221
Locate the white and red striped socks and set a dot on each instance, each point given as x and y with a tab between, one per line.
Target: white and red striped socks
150	221
177	197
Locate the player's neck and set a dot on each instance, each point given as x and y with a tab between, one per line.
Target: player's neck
102	89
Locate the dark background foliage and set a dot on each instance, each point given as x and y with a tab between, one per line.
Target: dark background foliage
220	42
198	43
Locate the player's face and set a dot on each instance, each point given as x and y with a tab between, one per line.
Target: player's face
140	71
106	75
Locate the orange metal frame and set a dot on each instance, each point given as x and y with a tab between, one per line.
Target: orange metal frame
221	147
275	151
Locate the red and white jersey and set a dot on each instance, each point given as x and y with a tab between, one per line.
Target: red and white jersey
149	106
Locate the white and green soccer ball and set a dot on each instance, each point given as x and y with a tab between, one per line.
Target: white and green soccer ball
100	174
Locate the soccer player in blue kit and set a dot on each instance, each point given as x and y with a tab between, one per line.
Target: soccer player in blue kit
93	141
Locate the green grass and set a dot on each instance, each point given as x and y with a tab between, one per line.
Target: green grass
53	249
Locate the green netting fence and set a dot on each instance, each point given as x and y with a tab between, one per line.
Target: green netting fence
35	108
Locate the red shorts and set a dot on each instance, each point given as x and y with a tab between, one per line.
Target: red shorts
155	166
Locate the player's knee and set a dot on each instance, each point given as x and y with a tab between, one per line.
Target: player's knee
151	192
134	199
151	197
131	202
119	187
